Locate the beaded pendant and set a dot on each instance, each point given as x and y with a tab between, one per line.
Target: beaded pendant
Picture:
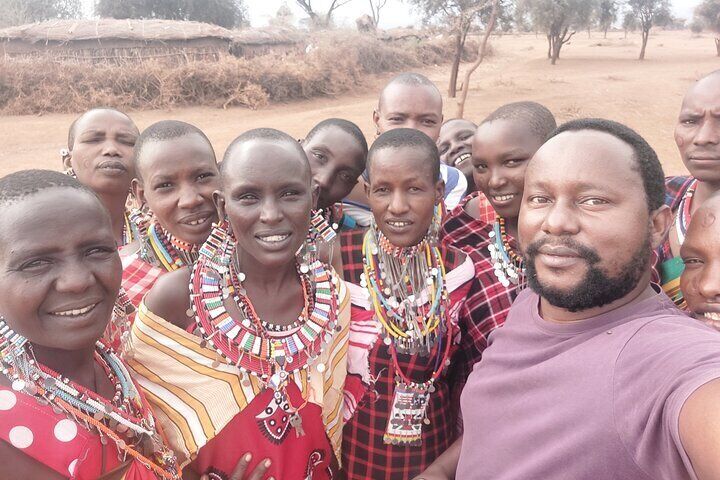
507	265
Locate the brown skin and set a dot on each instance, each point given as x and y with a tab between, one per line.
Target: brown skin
337	161
176	180
401	189
582	185
700	281
697	135
405	106
102	158
455	146
57	253
266	190
501	152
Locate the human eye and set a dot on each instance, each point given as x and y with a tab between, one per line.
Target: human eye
594	202
205	176
481	167
514	162
100	251
346	177
692	262
538	200
35	264
162	185
429	121
320	157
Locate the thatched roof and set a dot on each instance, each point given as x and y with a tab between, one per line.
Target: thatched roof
112	29
267	36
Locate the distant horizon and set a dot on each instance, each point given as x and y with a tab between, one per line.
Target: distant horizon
395	14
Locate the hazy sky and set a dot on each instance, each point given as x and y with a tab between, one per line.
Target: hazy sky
396	14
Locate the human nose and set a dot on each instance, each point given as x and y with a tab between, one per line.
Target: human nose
497	179
74	278
189	198
709	133
560	220
709	282
270	212
398	204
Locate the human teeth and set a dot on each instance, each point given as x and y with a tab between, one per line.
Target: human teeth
274	238
713	316
462	158
503	198
197	222
399	224
75	312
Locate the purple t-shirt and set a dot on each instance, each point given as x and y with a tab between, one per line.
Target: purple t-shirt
597	399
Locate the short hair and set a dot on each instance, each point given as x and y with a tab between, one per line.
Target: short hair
537	117
451	120
411	79
73	125
346	126
25	183
646	160
166	130
269	134
406	138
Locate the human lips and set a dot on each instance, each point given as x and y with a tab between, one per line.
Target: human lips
274	240
196	219
558	256
398	225
74	311
112	166
502	198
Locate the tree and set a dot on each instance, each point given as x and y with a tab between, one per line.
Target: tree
607	11
317	19
649	13
226	13
708	13
19	12
559	19
375	7
629	22
482	50
459	16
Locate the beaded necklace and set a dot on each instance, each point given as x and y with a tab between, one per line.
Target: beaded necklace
160	247
126	419
682	220
245	342
508	265
410	298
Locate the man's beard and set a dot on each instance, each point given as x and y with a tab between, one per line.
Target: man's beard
597	288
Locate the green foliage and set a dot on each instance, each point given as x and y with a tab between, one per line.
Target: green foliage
650	12
551	16
226	13
607	11
708	14
19	12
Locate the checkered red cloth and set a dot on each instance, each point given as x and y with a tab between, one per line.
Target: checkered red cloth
488	301
463	231
138	276
369	394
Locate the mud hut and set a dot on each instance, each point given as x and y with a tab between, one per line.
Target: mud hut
253	42
108	40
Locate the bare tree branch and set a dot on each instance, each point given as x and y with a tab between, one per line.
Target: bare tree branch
481	56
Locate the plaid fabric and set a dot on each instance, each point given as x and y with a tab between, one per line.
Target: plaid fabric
138	276
675	188
365	455
462	231
351	251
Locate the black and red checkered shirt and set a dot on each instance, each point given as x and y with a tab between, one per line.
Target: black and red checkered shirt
488	301
370	384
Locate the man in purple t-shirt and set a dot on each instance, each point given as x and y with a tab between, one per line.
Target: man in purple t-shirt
595	375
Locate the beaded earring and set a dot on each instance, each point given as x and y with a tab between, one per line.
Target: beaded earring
308	251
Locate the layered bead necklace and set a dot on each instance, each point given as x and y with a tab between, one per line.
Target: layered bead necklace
126	419
270	354
160	247
682	220
409	294
507	265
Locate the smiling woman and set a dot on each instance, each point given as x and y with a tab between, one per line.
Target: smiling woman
67	404
261	336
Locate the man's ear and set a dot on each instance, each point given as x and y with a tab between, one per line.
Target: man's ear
376	121
138	190
219	202
366	186
67	161
661	220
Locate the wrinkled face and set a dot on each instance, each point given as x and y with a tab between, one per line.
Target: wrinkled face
402	194
59	268
179	177
102	155
336	160
267	196
501	151
697	133
410	106
700	281
455	145
584	223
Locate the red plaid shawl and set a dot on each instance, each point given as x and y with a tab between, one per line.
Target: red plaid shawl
138	276
369	392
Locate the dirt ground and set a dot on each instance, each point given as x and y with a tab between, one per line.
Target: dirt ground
594	77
